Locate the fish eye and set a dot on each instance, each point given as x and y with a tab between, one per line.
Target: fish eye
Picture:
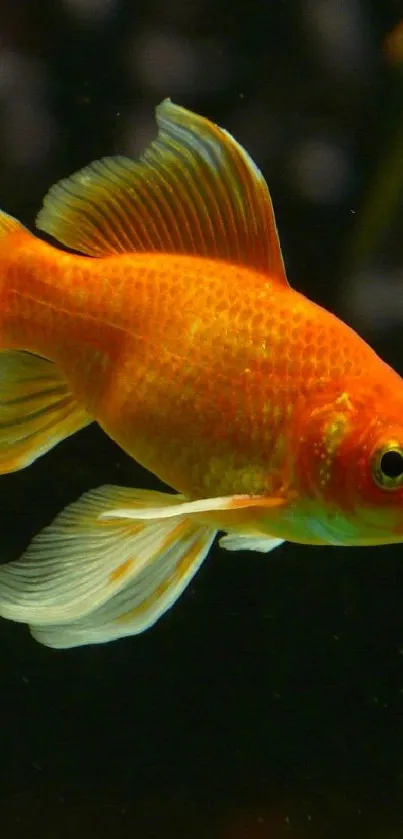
388	467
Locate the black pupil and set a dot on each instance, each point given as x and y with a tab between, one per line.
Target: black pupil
392	464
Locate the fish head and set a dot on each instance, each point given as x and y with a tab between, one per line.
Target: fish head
351	463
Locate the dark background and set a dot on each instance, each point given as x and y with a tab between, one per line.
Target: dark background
269	701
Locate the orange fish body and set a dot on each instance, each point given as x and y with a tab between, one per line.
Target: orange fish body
199	369
179	334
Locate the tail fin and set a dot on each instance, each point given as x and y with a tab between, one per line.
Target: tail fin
9	224
37	409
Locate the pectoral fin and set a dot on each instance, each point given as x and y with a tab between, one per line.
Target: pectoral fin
87	579
112	563
144	597
37	409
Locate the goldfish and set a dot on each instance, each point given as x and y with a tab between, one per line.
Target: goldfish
167	318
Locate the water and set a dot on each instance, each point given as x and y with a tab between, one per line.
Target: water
269	702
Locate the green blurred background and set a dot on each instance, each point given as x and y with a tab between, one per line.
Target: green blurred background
269	702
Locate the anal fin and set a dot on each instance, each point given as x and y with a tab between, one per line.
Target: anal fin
37	410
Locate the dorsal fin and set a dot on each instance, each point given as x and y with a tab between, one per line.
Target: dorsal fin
195	190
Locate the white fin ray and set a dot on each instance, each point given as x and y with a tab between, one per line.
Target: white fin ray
140	604
81	561
203	505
